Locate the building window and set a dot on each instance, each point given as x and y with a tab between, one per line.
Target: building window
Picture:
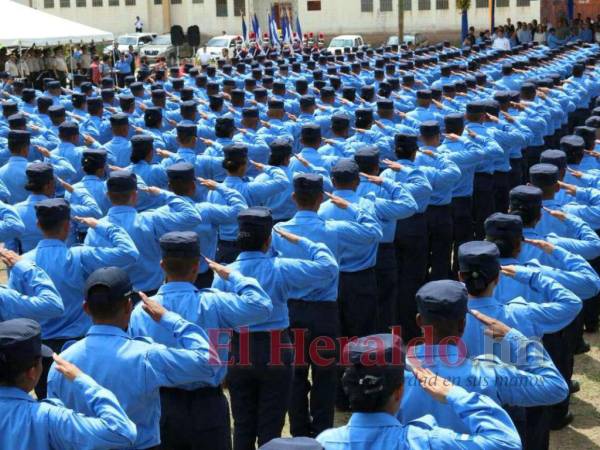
65	3
239	8
81	3
424	5
175	2
222	8
313	5
129	2
523	3
482	3
48	4
97	3
158	2
502	3
113	2
366	5
385	5
197	1
441	4
407	5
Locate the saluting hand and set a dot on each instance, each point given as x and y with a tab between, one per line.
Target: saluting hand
509	271
433	384
42	150
151	190
302	160
556	214
338	201
372	178
163	153
66	186
291	237
576	173
69	370
259	166
87	221
152	307
428	152
493	328
211	185
546	246
393	165
222	271
452	137
8	257
570	189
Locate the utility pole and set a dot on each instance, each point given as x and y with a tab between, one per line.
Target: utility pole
400	20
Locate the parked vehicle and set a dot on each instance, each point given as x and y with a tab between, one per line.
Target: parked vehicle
416	39
345	41
214	47
137	40
161	47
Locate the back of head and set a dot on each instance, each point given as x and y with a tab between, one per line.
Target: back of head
506	231
479	265
107	292
526	202
255	226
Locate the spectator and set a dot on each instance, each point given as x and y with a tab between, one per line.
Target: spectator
95	70
524	34
139	25
500	41
540	34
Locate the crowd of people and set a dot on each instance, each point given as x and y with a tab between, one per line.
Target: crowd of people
509	35
408	235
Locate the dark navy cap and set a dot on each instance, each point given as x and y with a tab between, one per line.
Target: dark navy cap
528	88
53	84
368	155
180	244
424	94
119	119
39	172
21	342
492	107
56	111
476	108
94	155
383	348
53	209
260	93
136	87
114	279
502	97
309	183
255	218
525	197
294	443
429	128
250	113
153	113
364	114
408	79
225	123
543	175
107	94
215	101
281	146
501	225
141	143
94	103
407	142
189	106
121	181
307	101
588	134
19	137
9	107
78	97
235	152
181	172
158	94
311	132
126	100
593	121
555	157
444	299
385	105
572	144
454	121
276	104
479	259
186	130
345	170
340	122
28	94
68	128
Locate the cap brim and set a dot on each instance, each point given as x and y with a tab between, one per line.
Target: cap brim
46	351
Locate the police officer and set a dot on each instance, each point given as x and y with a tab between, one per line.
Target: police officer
138	368
50	424
260	392
375	393
197	415
68	267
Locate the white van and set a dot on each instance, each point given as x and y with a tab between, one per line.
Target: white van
345	41
214	47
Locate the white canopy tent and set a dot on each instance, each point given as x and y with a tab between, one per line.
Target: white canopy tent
23	26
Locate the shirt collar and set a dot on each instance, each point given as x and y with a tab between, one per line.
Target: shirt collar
109	330
16	393
177	286
307	215
252	255
51	243
121	209
479	302
370	419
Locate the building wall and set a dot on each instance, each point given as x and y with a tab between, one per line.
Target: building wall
335	16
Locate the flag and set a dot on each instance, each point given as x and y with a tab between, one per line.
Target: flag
273	29
284	31
299	29
288	26
244	30
256	27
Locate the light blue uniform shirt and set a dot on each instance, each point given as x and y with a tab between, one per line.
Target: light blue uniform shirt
442	173
146	229
32	294
533	380
534	320
466	153
68	268
11	225
284	278
136	369
118	151
243	304
12	174
50	425
490	428
413	178
353	257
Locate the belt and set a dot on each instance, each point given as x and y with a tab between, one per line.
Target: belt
441	207
227	243
209	391
365	271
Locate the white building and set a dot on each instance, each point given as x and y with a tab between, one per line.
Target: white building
372	18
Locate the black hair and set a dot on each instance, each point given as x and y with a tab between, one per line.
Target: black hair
101	306
120	198
253	241
363	166
369	388
136	157
91	166
181	187
233	165
51	226
529	216
11	372
476	285
278	159
506	245
178	267
152	121
364	122
306	199
17	147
